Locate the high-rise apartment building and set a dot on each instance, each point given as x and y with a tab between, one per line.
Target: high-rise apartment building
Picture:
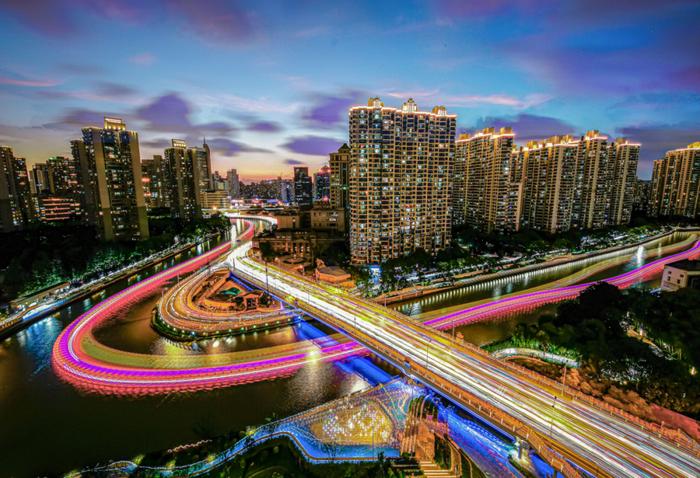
593	182
486	189
399	188
234	184
339	163
322	185
110	163
153	171
203	160
57	192
624	155
548	171
182	181
642	196
675	183
302	186
16	209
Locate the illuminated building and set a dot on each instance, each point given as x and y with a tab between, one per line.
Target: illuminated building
182	181
111	176
486	192
16	209
675	184
302	186
52	208
625	157
642	195
584	183
322	185
548	170
154	182
216	200
400	166
234	184
339	163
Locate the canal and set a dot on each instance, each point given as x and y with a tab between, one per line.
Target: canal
49	427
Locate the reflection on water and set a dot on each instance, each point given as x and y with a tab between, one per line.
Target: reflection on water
49	427
482	333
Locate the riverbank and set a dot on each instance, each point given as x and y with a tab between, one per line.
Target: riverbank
477	277
13	324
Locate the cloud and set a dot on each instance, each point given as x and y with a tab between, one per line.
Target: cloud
110	89
160	143
330	111
264	127
293	162
219	21
171	113
31	83
142	59
227	147
224	22
525	102
528	127
313	145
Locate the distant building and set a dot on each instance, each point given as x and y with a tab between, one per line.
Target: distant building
625	158
111	176
58	209
234	184
400	168
339	163
153	177
286	188
216	200
486	191
302	186
16	207
642	195
322	185
182	181
681	274
265	189
202	160
675	183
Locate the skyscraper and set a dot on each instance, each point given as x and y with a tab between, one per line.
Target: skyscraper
625	157
548	173
202	158
339	163
322	185
111	165
302	186
593	186
486	193
57	192
182	181
234	184
400	166
16	209
153	171
675	183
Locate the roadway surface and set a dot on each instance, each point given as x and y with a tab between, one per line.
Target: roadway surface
604	443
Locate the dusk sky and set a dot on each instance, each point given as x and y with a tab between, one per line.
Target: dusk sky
269	83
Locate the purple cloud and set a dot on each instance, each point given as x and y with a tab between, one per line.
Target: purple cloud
331	111
161	143
171	113
264	127
528	127
314	145
144	59
227	147
109	89
219	21
293	162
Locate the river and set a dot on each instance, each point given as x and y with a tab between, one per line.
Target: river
49	427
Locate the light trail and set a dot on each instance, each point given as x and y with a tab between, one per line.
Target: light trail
612	445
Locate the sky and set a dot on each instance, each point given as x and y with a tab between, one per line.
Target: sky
269	83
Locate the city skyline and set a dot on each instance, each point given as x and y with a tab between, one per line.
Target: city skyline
243	78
